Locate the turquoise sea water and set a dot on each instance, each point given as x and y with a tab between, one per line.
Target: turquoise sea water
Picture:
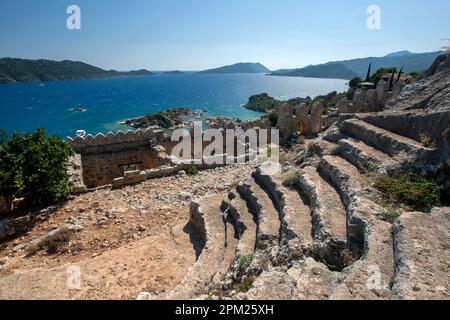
28	106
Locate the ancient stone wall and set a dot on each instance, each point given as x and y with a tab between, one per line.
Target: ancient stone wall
372	100
104	158
124	158
305	121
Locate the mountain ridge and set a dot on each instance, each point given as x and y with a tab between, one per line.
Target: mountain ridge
358	67
241	67
13	70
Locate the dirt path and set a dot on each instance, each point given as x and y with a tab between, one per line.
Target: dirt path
130	240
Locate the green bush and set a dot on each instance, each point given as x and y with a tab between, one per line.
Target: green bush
192	170
33	167
273	118
354	83
247	284
413	190
390	215
244	262
380	73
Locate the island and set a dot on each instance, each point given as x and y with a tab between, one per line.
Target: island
168	119
175	72
243	67
267	104
14	70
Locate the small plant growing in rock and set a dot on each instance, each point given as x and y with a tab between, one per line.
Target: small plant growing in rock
192	170
209	296
297	254
244	262
247	284
390	215
291	177
426	140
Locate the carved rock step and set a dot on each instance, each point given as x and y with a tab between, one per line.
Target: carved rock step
422	255
386	141
206	218
345	177
365	157
296	224
246	225
229	255
369	277
329	216
268	229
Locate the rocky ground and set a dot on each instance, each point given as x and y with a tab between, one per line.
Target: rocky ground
124	241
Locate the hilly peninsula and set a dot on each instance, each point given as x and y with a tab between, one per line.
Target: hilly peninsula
348	69
243	67
22	70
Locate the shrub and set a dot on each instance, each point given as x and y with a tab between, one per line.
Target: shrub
33	167
354	83
245	261
246	284
414	74
192	170
390	215
291	177
273	118
415	191
375	78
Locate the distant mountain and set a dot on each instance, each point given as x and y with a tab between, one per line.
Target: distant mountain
174	72
335	70
399	54
22	70
358	67
247	67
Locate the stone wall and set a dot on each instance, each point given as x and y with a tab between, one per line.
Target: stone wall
124	158
372	100
306	120
104	157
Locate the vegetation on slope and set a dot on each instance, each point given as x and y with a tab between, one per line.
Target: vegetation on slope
247	67
415	191
33	167
22	70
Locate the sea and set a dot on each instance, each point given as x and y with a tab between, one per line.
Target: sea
24	107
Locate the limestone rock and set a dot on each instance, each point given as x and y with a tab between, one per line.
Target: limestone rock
422	255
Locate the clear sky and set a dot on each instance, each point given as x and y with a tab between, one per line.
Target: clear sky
198	34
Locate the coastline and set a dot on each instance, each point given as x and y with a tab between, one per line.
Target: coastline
110	102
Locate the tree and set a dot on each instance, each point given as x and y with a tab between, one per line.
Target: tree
354	83
380	73
368	72
33	167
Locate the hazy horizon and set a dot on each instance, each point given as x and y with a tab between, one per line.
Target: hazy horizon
198	35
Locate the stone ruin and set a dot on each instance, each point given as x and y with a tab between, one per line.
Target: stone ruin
365	100
304	120
309	120
121	159
122	156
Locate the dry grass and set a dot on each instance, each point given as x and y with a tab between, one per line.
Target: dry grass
55	241
290	178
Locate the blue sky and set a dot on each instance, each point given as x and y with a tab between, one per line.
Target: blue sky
198	34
